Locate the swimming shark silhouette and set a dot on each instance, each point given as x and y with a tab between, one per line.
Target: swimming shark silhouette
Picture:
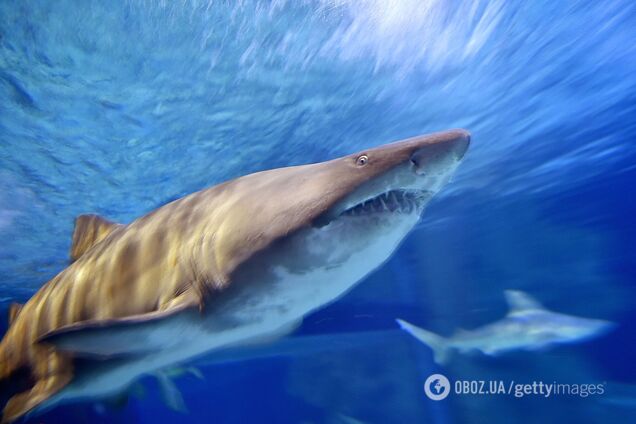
528	325
238	263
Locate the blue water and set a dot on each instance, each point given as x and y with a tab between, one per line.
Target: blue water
118	107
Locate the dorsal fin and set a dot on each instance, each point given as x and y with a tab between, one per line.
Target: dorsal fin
89	230
519	301
14	310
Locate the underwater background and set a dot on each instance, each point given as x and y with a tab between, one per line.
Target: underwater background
116	108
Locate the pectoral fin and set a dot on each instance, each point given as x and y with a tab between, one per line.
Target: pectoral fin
170	393
130	335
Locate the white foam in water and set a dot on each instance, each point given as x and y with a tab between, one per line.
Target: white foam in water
408	34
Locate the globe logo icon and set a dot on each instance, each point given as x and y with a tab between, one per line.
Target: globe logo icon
437	387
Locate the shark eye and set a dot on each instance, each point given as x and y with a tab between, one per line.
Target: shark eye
362	160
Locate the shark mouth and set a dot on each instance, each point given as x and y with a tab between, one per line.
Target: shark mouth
394	201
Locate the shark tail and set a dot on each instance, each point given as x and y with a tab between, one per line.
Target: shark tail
439	345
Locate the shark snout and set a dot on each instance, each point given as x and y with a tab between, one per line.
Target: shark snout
450	148
461	145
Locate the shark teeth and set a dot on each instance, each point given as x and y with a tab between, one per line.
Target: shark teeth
395	201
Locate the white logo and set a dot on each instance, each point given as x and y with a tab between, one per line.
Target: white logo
437	387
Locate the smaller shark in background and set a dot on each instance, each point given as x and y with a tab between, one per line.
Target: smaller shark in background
528	325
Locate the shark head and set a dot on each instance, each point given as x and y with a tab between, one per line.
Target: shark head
567	328
395	179
359	196
334	221
384	191
543	326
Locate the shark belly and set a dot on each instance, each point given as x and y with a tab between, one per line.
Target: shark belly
266	302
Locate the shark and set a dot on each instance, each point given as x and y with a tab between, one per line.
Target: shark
235	264
527	326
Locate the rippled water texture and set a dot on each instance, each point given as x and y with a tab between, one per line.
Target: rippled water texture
118	107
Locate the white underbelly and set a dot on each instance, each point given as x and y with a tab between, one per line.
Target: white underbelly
262	311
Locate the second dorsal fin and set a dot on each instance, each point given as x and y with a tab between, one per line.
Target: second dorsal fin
89	230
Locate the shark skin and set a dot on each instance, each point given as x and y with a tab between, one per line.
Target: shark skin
527	326
235	264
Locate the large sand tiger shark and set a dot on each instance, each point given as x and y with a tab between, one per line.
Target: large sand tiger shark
237	263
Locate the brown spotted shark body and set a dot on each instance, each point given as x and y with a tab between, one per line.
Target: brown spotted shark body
238	263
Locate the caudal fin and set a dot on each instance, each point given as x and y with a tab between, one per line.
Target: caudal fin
438	344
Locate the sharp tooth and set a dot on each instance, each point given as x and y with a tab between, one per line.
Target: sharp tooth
384	207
